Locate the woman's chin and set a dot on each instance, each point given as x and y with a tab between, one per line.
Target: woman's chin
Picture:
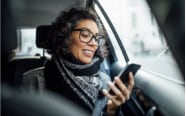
86	60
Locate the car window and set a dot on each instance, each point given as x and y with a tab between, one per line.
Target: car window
116	51
27	43
140	35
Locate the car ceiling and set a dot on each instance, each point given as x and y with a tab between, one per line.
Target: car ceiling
30	13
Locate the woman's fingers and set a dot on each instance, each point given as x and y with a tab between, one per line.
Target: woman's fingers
114	98
117	92
120	90
131	82
126	90
122	87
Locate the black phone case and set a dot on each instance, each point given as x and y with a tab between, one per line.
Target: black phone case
125	72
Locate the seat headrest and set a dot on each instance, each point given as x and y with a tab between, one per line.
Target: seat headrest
42	34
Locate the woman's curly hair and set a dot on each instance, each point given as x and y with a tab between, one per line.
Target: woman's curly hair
58	40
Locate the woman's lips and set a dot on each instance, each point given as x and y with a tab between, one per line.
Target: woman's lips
88	53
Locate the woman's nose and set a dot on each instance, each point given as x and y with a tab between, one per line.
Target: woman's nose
93	42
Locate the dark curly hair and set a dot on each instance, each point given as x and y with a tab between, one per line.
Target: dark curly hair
58	41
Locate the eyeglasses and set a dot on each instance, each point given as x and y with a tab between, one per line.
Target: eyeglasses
86	36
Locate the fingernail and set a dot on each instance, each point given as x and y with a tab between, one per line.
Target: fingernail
116	78
104	91
109	83
130	73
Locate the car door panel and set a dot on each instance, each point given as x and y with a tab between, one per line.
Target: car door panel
157	88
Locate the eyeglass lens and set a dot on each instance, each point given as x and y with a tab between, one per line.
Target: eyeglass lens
87	36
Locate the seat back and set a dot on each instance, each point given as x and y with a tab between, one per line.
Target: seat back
20	65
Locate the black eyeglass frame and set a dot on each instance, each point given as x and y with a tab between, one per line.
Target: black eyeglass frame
93	36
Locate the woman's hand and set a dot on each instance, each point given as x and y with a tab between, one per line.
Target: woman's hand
121	93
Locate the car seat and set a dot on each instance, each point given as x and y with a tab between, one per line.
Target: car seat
17	66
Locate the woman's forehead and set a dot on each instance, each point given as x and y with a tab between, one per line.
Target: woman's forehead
89	24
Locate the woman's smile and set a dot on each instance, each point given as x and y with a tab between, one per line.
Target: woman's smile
88	52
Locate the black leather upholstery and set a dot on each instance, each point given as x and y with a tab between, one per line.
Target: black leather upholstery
18	66
42	33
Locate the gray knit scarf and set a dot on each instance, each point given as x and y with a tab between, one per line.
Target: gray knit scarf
84	79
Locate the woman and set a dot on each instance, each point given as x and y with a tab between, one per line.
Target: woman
77	47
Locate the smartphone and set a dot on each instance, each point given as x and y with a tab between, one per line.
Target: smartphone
124	73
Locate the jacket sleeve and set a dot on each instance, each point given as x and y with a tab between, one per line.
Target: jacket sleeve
105	79
118	112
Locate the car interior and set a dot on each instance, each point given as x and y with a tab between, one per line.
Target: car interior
153	94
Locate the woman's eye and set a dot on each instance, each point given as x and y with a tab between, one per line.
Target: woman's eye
86	35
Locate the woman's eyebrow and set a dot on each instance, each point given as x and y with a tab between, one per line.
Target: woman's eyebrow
98	33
